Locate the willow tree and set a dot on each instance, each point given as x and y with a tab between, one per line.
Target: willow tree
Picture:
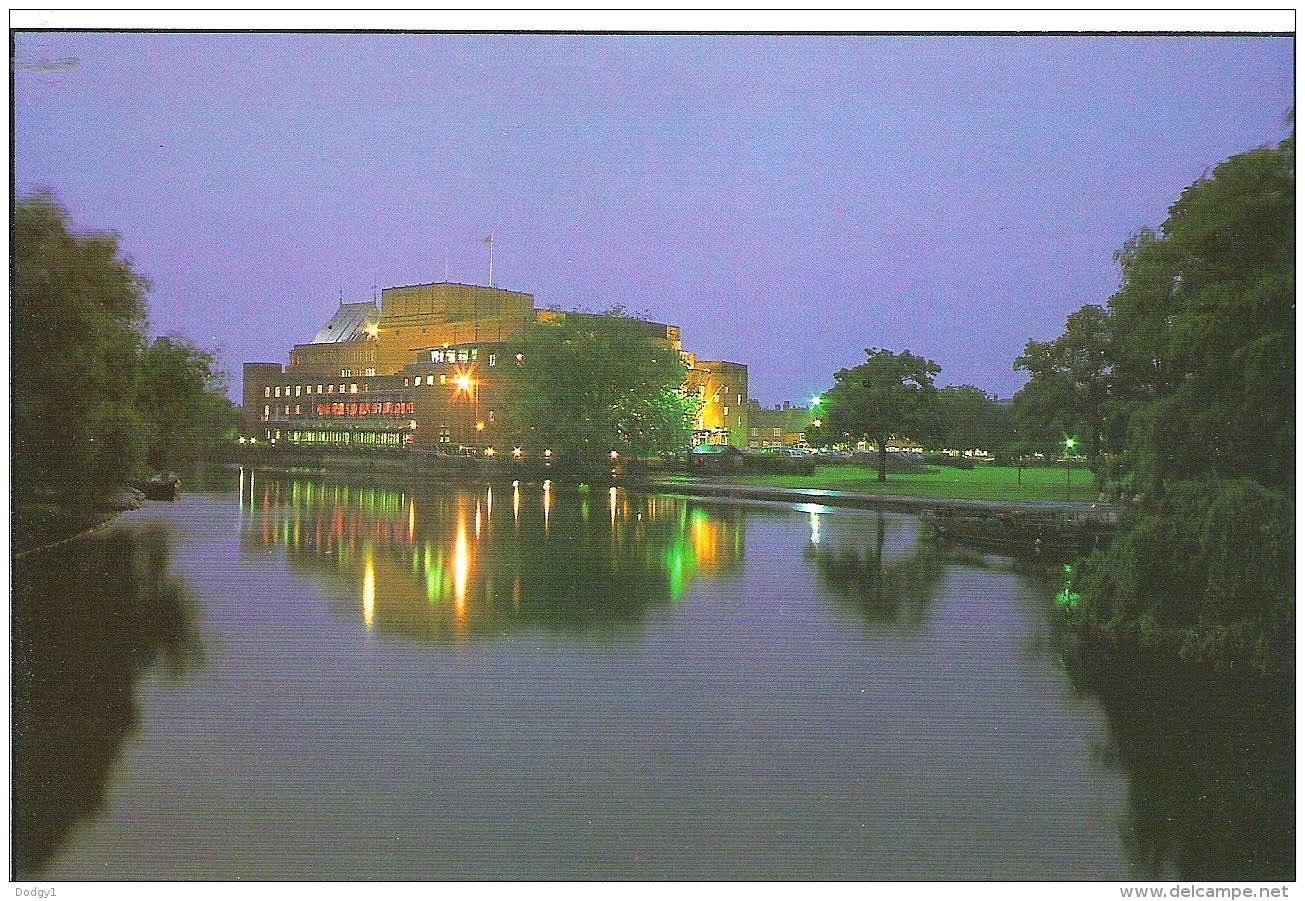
78	328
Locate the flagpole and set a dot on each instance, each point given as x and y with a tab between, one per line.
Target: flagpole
490	242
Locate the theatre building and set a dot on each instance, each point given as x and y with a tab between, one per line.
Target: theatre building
422	370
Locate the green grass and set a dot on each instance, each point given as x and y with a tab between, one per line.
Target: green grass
991	483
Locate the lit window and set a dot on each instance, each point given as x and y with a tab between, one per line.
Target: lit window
297	413
278	391
369	372
738	400
267	413
353	389
430	380
319	389
444	379
491	359
267	392
405	383
520	359
473	352
330	389
726	412
298	389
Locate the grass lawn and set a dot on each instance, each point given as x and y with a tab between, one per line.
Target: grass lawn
996	483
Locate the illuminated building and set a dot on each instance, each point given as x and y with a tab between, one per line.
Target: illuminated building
779	426
421	370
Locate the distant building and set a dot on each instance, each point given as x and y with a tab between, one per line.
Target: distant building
420	371
779	426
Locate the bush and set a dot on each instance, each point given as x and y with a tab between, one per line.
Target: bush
1208	576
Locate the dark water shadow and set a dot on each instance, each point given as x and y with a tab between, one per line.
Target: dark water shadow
885	590
87	620
1211	765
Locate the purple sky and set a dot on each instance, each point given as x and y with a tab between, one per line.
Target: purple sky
788	201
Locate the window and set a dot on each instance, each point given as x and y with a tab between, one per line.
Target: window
267	392
297	413
444	437
444	379
369	372
520	359
278	391
472	352
353	389
491	415
462	356
430	379
726	412
346	373
267	413
330	389
319	389
491	359
776	433
738	400
405	383
298	389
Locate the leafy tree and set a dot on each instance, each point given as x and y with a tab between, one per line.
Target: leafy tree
1204	326
1068	387
590	384
78	327
1202	401
889	395
183	401
968	419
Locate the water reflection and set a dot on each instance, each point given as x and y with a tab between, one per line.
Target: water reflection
1210	761
452	565
88	619
889	575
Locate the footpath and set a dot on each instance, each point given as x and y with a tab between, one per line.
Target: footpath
695	487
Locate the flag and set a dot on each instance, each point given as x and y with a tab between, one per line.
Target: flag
489	239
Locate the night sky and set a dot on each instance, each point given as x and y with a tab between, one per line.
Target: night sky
787	200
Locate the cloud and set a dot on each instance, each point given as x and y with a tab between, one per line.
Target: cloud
53	65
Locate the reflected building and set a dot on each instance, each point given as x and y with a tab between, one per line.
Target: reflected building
477	563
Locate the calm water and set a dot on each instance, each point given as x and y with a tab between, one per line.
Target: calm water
287	678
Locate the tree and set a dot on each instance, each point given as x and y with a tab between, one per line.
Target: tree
1202	403
968	419
1204	326
1068	387
78	328
889	395
183	401
590	384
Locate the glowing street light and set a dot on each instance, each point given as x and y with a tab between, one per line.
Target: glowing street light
816	400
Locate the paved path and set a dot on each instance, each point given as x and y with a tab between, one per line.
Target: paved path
702	488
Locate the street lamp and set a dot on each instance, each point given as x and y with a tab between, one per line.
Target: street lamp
1069	446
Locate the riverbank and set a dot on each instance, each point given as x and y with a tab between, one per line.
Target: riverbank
40	527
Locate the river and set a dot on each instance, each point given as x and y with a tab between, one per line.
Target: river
293	678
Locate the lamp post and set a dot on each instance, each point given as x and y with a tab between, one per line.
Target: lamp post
1069	446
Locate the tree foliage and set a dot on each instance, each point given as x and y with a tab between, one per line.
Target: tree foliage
1201	409
93	400
969	419
183	401
1068	388
890	395
590	384
78	328
1204	330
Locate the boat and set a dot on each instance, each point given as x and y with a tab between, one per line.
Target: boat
166	486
